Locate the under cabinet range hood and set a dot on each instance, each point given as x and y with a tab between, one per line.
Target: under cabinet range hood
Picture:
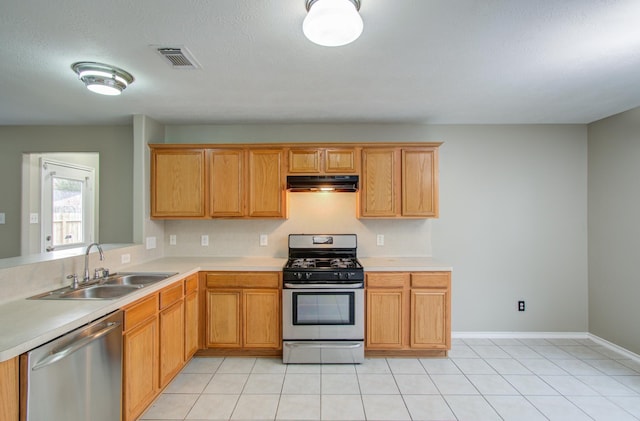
317	183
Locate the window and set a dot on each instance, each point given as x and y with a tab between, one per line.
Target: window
68	205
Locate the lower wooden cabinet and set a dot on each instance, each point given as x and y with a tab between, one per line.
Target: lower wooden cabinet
408	312
171	333
243	310
9	390
191	317
140	358
160	336
223	318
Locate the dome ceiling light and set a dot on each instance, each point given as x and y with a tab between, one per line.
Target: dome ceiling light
332	23
102	78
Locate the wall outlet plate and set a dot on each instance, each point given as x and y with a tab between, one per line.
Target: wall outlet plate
204	240
125	258
380	239
264	240
151	243
33	218
1	217
172	240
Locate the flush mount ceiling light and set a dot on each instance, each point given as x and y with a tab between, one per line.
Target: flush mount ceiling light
332	23
102	78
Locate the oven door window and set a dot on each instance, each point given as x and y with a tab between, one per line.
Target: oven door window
323	308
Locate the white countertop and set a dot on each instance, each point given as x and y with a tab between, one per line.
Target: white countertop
27	324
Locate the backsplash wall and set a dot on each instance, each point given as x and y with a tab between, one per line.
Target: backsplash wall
309	213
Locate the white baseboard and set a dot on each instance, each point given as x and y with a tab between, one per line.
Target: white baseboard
520	335
548	335
625	352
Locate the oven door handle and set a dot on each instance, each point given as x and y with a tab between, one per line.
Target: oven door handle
354	285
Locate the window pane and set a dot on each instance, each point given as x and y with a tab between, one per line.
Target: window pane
67	211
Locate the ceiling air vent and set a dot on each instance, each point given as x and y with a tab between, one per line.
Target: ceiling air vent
178	57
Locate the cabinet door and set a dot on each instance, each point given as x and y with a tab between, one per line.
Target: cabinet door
190	325
266	186
140	368
379	186
261	318
304	161
9	395
223	318
178	183
341	161
385	312
429	319
420	182
171	342
227	183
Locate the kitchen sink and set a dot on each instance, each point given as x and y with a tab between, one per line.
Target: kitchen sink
136	278
114	286
99	292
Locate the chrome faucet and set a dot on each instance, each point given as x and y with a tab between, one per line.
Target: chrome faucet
87	277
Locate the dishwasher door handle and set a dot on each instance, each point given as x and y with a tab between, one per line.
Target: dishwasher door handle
59	354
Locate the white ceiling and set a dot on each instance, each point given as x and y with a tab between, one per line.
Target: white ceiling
419	61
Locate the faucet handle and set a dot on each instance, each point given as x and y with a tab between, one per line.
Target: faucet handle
99	271
74	283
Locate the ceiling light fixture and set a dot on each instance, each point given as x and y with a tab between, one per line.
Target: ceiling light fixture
102	78
332	23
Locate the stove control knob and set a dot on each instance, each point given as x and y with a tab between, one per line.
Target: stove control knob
297	275
307	275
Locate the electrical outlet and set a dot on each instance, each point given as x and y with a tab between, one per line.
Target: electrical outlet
380	240
151	243
172	240
33	218
1	217
204	240
520	305
264	240
125	258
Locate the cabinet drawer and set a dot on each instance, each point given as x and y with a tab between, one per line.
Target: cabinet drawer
431	280
243	280
139	311
191	283
387	280
171	294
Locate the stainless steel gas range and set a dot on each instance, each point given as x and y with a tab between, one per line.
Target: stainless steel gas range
323	300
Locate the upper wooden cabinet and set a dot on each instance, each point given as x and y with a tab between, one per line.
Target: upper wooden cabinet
380	183
399	183
227	182
420	182
196	183
266	183
249	181
178	183
323	161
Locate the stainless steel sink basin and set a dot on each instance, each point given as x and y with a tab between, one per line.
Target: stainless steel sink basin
115	286
99	292
136	278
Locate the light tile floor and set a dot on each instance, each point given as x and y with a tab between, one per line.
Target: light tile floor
481	380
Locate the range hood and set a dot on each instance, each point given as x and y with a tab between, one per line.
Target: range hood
316	183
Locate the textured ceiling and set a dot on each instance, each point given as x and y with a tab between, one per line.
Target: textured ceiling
426	61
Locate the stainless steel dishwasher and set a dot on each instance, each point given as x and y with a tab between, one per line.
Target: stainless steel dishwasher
78	376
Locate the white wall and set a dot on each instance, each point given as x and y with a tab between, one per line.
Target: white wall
614	230
513	219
